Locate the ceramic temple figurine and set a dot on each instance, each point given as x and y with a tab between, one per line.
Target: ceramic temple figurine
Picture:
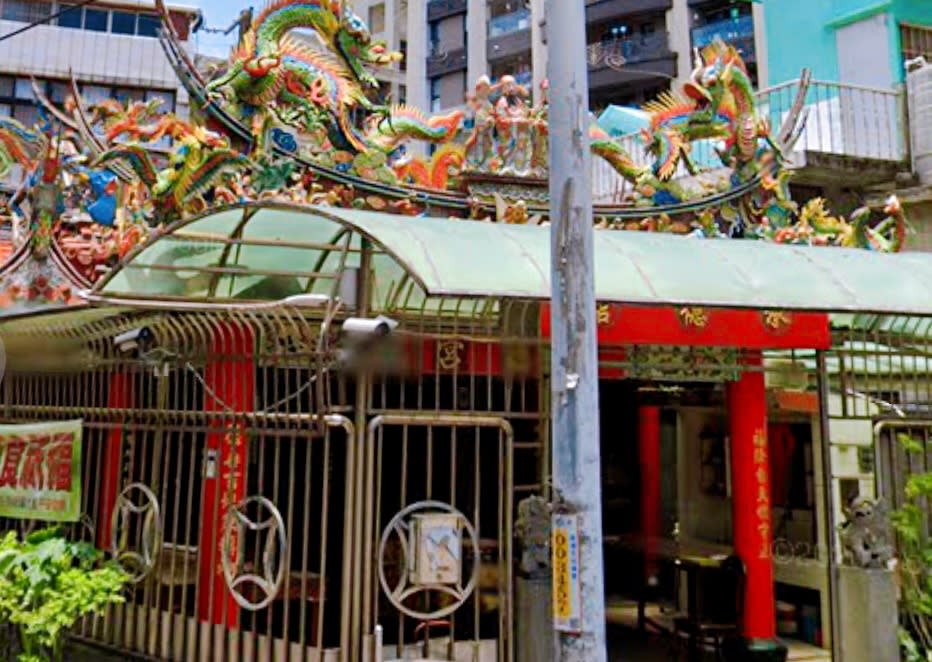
512	120
480	147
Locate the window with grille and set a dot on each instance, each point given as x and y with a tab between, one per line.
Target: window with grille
26	11
917	41
18	99
72	16
148	26
96	20
123	22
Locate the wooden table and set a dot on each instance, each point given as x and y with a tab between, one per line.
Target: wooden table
689	558
693	566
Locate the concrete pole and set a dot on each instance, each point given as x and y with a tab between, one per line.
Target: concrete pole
574	360
760	46
416	77
678	30
538	47
391	39
477	60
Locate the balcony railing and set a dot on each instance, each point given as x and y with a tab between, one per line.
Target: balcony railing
618	53
840	119
523	78
603	10
441	62
730	30
508	23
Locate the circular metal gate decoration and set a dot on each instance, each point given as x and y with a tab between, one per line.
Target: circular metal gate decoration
136	502
404	526
274	553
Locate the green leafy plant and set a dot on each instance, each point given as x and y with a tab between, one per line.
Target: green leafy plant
915	560
47	584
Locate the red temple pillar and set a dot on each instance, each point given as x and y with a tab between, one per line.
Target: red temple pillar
229	379
751	506
120	396
649	443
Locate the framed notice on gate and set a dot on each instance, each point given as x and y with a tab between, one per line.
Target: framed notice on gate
40	471
567	603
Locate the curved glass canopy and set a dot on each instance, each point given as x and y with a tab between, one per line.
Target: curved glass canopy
251	254
272	252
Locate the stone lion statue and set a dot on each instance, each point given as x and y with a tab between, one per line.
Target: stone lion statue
865	536
532	528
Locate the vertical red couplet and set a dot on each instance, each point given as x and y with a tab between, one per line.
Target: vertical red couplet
751	498
229	379
119	397
649	443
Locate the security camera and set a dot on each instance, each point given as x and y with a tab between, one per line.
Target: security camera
133	339
362	327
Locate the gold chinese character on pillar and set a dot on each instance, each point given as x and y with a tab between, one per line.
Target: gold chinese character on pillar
760	440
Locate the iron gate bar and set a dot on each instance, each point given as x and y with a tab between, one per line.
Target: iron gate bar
893	468
886	484
186	334
829	525
506	508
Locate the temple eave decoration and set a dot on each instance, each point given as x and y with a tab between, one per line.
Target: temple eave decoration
289	119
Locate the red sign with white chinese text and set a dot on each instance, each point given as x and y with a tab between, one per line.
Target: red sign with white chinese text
40	471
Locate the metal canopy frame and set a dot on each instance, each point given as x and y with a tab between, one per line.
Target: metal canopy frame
443	258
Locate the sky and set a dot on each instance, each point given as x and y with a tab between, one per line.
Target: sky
218	14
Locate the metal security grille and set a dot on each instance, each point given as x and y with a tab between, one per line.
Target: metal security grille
210	453
465	462
243	467
895	466
879	390
879	366
917	41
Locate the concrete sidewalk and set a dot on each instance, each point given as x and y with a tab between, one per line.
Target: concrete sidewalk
79	652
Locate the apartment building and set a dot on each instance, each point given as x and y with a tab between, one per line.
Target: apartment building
111	48
851	41
636	48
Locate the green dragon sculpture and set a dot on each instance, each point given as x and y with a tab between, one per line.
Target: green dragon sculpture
275	76
199	160
718	103
18	145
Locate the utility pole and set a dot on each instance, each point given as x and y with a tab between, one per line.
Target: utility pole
578	593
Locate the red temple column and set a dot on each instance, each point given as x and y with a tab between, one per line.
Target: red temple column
649	443
229	379
120	396
751	507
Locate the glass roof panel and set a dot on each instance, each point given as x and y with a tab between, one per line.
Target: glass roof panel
170	267
223	224
255	255
278	265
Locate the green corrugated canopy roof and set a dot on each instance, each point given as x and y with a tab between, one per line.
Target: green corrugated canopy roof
212	257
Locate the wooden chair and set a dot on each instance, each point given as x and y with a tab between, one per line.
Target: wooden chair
714	623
